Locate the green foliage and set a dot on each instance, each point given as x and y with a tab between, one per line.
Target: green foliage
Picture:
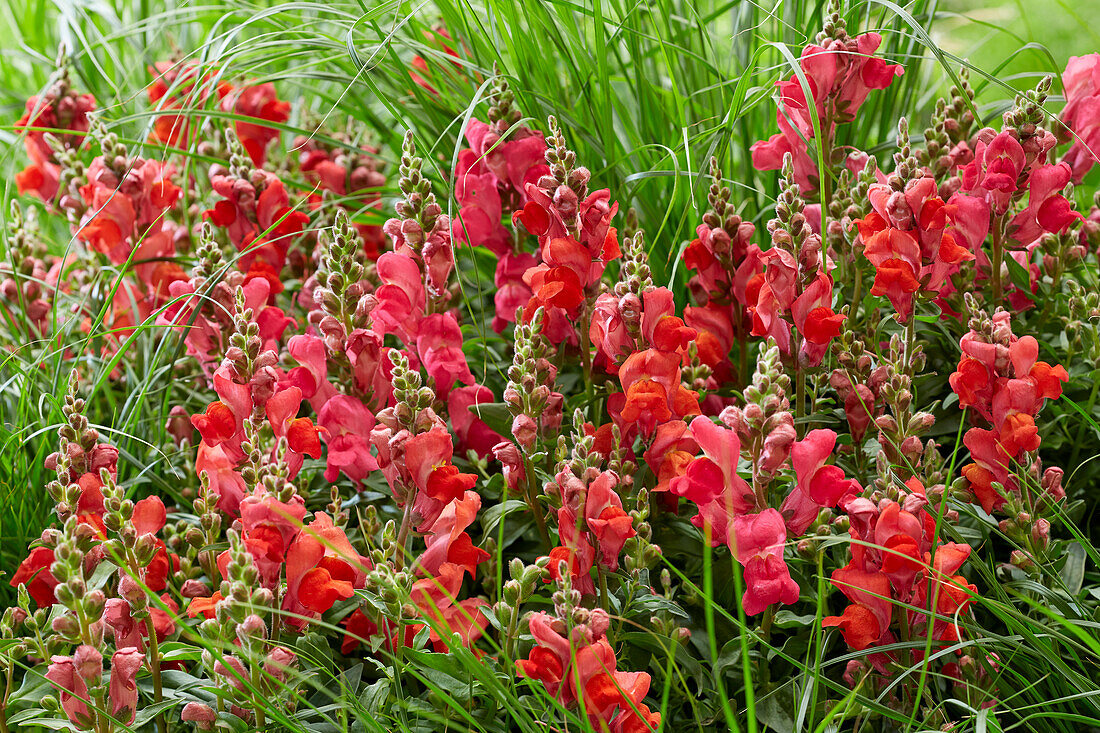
649	92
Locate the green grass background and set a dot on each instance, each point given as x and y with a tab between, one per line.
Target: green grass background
646	93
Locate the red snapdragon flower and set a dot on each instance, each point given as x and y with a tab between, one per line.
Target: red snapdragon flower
712	483
840	73
817	485
758	540
61	108
257	102
321	568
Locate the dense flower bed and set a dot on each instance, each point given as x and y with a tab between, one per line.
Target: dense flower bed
359	482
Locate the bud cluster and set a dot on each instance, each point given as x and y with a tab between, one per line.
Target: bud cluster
536	408
765	425
419	211
341	292
789	229
900	431
22	281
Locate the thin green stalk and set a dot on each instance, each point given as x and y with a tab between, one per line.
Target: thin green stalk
4	700
154	667
529	495
996	259
712	637
403	531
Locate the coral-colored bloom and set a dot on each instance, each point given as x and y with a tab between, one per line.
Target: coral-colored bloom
321	568
428	458
123	691
757	540
711	481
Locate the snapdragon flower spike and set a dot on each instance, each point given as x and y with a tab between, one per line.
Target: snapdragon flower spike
256	213
1001	378
729	272
23	283
251	394
124	202
81	465
796	282
536	408
415	449
490	184
892	563
637	315
841	72
575	663
592	524
859	385
60	108
917	241
422	233
576	239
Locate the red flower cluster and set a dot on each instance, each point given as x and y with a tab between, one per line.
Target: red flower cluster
59	110
916	241
999	375
185	85
894	562
577	664
841	71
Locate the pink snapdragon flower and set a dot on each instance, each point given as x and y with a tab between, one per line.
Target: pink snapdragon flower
841	74
757	540
1081	80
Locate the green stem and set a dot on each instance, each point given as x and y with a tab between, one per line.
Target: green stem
529	494
998	256
258	700
857	285
154	667
603	586
1082	424
799	399
403	532
4	700
586	351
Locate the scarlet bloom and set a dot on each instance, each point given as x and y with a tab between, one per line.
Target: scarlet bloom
205	607
428	459
35	573
711	481
896	255
321	568
818	485
867	619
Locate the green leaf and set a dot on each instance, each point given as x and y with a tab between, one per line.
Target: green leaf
1073	572
494	414
150	711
